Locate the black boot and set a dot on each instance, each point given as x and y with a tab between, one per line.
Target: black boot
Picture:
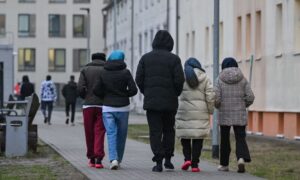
158	167
168	164
67	121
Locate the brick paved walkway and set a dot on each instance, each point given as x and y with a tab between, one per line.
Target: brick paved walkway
69	142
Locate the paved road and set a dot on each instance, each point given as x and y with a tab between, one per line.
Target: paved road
69	142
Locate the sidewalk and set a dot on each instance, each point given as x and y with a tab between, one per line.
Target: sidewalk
69	141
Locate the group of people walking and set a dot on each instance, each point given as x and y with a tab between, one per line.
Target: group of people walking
178	102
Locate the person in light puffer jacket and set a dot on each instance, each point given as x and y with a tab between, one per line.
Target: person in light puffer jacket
48	96
233	96
196	103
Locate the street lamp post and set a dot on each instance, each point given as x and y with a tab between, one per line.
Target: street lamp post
215	131
115	23
88	33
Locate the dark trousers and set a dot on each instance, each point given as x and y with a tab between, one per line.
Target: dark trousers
162	133
73	105
47	105
191	149
94	132
242	150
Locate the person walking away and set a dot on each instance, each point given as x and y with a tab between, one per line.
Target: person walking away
196	103
92	110
160	78
69	92
27	88
116	85
233	96
48	96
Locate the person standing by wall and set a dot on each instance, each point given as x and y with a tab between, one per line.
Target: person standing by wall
48	96
69	92
27	88
92	110
196	103
160	78
116	85
233	96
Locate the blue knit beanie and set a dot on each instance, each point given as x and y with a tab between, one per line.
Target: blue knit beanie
116	55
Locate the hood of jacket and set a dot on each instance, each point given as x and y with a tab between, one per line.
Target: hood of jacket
163	40
96	62
231	75
200	74
114	65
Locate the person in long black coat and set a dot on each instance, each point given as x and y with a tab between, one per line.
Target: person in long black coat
160	78
69	92
27	88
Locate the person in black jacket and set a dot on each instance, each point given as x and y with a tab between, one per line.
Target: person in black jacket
160	78
115	85
69	92
27	88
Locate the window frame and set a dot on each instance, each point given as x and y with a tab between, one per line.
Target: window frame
61	34
27	68
76	53
57	68
84	24
27	33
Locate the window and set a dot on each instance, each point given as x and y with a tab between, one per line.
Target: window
26	59
248	36
57	60
57	1
258	39
297	26
193	43
26	25
2	24
207	45
187	45
239	38
57	25
279	29
82	1
140	44
26	1
79	59
79	26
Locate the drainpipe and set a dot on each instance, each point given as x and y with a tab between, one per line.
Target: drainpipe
168	15
177	27
132	34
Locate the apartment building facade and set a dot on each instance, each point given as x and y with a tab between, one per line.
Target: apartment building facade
50	37
268	30
137	22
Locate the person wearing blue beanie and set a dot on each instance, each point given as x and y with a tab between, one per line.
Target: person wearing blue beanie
115	86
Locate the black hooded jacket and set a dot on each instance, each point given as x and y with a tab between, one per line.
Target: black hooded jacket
69	92
115	84
160	75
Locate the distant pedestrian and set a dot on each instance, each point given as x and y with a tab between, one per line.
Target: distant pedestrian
27	88
69	92
48	96
196	103
116	85
92	110
17	90
160	78
233	96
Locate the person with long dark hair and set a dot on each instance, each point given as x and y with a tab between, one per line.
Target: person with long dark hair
27	88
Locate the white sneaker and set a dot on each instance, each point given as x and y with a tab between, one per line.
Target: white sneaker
241	165
223	168
114	165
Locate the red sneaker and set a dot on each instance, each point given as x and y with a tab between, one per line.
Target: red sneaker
196	169
186	165
98	164
92	163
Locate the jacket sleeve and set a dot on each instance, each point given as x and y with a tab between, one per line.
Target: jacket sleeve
42	91
249	96
209	96
54	92
178	77
82	85
218	93
132	89
99	88
140	76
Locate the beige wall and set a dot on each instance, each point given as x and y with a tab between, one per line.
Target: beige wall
276	52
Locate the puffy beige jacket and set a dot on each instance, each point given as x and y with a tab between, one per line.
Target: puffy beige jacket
195	107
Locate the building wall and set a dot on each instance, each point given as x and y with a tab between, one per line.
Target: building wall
268	30
6	57
41	42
